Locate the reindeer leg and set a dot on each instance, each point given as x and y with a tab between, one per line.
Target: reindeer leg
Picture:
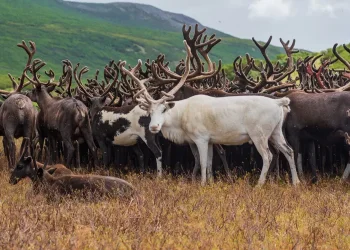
70	151
293	140
86	131
195	153
222	153
77	154
53	150
342	158
274	167
150	140
6	151
312	160
23	144
323	158
104	148
347	169
11	148
263	148
60	150
139	155
203	146
210	163
280	144
40	143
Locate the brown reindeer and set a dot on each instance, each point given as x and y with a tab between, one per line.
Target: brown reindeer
64	182
319	117
17	114
64	119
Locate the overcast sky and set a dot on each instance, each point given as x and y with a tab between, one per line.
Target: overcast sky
315	24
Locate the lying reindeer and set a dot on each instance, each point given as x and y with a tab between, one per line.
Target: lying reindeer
67	183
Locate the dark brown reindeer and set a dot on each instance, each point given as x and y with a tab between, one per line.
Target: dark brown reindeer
321	117
17	114
62	119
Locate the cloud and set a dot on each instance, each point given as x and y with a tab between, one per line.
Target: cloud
327	6
275	9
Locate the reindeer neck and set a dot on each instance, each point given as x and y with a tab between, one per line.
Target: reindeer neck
173	117
33	175
44	99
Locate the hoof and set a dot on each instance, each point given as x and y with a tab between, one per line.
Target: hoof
259	185
296	183
314	180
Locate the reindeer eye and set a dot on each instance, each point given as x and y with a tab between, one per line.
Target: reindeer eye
19	167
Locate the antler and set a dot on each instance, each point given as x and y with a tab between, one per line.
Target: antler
289	51
111	73
35	67
17	87
262	48
78	79
346	63
143	97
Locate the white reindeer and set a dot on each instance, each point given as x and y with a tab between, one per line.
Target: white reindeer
205	120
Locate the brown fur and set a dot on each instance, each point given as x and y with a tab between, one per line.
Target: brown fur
56	170
96	184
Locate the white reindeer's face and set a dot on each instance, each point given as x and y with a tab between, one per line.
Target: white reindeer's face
158	113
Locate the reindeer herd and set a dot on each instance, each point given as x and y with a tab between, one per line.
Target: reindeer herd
177	118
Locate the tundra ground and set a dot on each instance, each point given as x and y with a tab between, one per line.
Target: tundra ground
173	213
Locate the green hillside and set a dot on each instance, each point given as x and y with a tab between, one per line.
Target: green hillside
64	30
329	54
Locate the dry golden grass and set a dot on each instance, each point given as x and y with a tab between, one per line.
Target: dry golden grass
173	213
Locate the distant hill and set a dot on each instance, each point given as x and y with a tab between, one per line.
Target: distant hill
131	14
93	34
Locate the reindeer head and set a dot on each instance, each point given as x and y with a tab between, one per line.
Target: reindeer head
96	100
22	170
24	167
44	89
161	74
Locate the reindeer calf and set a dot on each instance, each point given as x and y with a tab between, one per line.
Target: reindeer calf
67	183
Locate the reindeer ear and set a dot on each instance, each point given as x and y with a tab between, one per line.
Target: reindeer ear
51	170
103	99
50	88
27	160
86	99
40	173
171	105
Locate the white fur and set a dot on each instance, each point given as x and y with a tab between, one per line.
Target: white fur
109	117
129	137
206	120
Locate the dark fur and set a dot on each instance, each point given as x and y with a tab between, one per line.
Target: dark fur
322	118
64	120
17	120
